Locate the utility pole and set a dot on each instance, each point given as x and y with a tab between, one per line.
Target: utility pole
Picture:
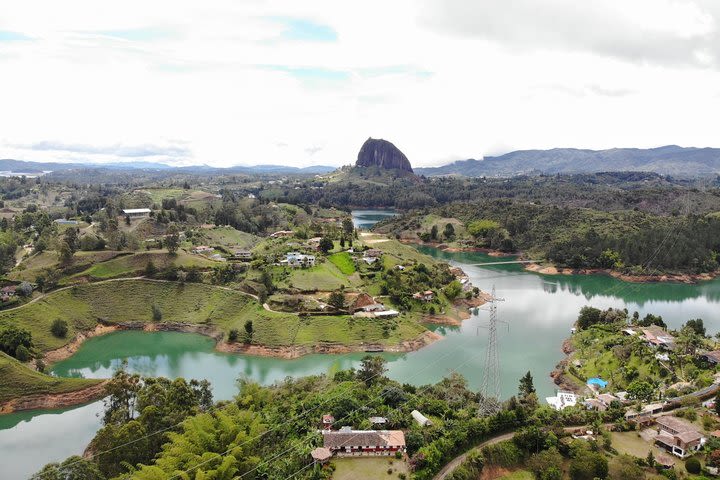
490	388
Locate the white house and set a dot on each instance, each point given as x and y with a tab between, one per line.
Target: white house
297	259
562	400
136	212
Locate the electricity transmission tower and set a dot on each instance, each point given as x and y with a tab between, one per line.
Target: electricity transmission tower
490	387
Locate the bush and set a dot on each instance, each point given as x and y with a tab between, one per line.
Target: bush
25	289
233	335
692	465
59	328
22	353
156	313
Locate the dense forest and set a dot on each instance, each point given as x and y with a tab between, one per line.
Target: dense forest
629	241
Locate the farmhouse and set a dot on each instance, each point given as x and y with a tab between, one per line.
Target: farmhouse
282	234
657	337
327	421
711	358
297	259
373	253
136	212
349	442
562	400
8	291
244	255
678	437
426	296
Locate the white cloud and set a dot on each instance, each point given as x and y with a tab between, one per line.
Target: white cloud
443	80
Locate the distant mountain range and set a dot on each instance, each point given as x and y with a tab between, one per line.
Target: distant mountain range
20	166
668	160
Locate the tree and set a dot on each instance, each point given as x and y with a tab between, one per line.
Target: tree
588	465
546	465
65	253
248	331
71	238
25	289
337	300
640	390
434	232
588	316
233	335
452	290
59	328
624	467
127	220
693	466
347	226
449	232
150	269
526	385
11	337
326	244
22	353
157	314
482	228
372	368
697	325
172	239
73	468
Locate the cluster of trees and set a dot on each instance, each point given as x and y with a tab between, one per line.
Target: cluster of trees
269	431
627	241
401	285
16	342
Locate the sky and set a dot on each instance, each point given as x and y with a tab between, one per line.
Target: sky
248	82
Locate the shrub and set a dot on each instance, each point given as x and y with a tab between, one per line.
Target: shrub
25	289
156	313
692	465
59	328
233	335
22	353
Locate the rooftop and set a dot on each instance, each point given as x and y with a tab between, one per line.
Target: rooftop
676	424
348	438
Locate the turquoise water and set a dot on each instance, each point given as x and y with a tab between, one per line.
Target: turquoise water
367	218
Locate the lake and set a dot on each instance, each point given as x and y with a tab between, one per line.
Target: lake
536	314
365	219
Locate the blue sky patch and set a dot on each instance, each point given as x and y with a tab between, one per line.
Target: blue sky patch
7	36
299	29
311	73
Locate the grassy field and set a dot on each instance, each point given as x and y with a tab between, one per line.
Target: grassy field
344	262
518	475
131	301
30	268
399	252
18	381
130	265
323	276
228	237
368	468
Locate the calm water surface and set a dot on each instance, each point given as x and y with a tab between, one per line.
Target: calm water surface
368	218
538	312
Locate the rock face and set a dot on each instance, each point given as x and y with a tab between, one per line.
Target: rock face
383	154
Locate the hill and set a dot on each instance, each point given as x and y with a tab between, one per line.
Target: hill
21	166
382	154
668	160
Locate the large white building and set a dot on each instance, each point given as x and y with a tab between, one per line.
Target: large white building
562	400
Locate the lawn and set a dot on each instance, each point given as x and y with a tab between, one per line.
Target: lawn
368	468
344	262
19	380
518	475
631	443
228	237
349	330
31	267
323	276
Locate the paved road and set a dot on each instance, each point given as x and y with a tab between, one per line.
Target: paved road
457	461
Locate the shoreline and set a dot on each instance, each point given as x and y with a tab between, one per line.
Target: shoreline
54	401
686	278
